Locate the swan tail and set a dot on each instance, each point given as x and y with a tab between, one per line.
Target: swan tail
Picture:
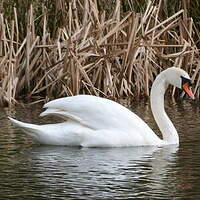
30	129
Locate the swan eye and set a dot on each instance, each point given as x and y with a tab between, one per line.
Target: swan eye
185	80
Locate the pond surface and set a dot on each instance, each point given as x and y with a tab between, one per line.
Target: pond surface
31	171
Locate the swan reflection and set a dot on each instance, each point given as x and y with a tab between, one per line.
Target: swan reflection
108	170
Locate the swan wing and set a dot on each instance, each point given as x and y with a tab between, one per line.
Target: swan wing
91	122
95	113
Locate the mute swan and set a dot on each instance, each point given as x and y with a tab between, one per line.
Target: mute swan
98	122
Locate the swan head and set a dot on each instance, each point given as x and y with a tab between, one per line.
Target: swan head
180	79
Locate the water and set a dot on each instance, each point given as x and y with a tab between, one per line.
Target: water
30	171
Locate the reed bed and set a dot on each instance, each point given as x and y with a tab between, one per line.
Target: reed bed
113	56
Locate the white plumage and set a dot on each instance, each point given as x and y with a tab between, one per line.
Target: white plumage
92	121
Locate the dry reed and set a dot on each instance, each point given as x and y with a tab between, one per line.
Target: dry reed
115	56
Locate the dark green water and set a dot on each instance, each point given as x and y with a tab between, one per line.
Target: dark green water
30	171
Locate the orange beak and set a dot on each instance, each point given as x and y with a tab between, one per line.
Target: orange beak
187	89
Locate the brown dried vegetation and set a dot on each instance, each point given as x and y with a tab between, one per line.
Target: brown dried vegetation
112	56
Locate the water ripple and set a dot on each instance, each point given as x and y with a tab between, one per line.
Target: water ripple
30	171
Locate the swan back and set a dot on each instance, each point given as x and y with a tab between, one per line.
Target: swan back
93	112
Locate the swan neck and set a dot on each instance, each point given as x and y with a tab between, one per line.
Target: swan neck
169	133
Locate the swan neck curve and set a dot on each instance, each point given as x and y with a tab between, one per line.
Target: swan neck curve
169	133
